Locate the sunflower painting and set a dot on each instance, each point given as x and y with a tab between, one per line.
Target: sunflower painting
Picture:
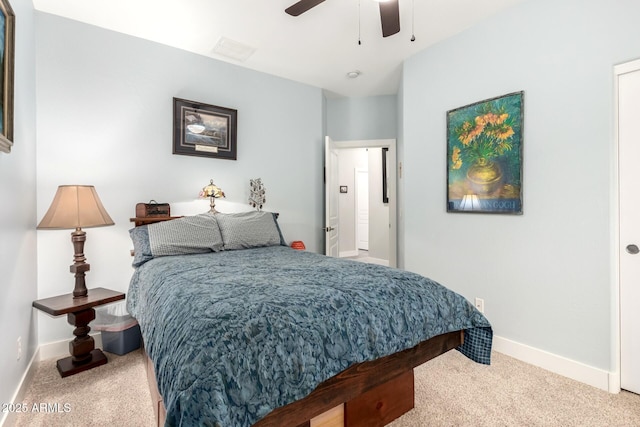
484	156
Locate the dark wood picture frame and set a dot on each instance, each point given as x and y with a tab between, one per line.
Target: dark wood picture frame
7	44
204	130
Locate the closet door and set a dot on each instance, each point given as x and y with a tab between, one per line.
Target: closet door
628	83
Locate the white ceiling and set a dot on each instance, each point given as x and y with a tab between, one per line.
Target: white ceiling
318	47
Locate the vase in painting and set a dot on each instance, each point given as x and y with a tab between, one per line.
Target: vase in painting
484	176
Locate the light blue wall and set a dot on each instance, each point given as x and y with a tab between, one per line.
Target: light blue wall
105	118
18	215
352	119
546	275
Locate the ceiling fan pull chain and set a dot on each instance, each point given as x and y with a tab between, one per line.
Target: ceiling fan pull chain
413	14
359	42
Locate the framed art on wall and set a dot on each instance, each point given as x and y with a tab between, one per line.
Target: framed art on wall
7	43
204	130
484	156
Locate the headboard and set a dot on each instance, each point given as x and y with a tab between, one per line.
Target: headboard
140	220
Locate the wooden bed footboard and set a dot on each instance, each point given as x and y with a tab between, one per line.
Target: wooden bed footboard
368	394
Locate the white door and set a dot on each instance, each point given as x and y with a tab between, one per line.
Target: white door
331	198
629	194
362	209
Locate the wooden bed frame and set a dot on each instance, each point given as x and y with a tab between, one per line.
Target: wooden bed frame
368	394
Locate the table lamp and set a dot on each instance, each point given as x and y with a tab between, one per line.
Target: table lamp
74	207
212	192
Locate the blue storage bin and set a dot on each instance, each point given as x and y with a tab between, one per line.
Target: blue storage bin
120	331
121	342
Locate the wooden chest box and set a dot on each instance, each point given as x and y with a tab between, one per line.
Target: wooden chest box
153	209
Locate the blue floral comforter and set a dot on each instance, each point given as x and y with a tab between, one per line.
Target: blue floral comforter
236	334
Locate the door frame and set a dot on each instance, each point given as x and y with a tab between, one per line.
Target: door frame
616	353
393	191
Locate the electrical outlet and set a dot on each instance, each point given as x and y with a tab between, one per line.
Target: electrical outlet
19	347
480	305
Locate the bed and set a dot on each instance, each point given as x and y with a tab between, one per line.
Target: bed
242	330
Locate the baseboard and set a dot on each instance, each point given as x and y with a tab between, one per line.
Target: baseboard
8	418
56	349
578	371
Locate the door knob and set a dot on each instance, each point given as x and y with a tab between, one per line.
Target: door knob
632	249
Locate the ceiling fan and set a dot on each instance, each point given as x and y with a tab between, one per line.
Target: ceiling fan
389	13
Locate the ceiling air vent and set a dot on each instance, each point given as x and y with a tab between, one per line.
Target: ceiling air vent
233	49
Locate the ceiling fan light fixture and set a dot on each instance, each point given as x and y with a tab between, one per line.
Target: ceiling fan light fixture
389	14
354	74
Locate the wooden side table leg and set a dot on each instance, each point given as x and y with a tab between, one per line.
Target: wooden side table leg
84	355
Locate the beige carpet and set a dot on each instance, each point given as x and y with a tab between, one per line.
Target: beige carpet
450	391
115	394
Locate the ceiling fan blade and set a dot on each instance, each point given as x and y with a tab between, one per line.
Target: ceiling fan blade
302	6
390	18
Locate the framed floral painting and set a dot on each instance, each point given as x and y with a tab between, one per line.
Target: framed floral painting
484	156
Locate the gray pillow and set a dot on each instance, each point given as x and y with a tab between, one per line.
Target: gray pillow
141	249
182	236
249	230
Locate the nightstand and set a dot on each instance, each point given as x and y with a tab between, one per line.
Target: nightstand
79	313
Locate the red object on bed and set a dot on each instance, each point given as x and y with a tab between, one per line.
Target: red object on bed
298	244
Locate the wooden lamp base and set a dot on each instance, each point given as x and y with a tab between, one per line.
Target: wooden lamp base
66	367
84	355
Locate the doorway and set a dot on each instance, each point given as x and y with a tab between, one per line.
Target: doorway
382	229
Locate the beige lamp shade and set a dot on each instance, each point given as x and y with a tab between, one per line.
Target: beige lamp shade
75	206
